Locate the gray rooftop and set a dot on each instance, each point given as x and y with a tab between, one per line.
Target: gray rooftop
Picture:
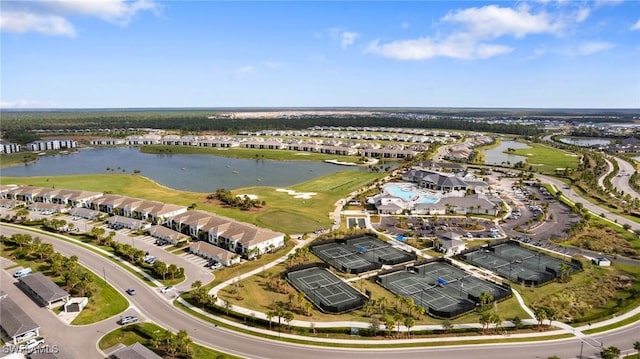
135	351
14	320
44	287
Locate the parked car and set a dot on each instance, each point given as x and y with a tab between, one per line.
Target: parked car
128	319
22	272
168	289
30	344
131	291
216	265
25	336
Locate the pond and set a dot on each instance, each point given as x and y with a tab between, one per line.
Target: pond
495	156
585	141
195	173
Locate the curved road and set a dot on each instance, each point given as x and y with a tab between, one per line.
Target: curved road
156	307
573	196
621	180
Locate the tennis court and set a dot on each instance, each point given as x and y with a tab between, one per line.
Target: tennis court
328	292
344	258
378	251
519	264
443	290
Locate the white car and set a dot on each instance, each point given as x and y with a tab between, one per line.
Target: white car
128	319
30	344
168	289
216	265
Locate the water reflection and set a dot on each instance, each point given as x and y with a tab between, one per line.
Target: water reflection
196	173
495	156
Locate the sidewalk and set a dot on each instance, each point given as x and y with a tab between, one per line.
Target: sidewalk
562	327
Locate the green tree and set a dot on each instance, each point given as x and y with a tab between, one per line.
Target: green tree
610	353
408	323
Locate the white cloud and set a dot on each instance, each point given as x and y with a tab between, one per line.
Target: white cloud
50	17
493	21
27	104
115	11
636	26
426	48
22	22
593	47
608	2
348	38
582	14
273	65
243	71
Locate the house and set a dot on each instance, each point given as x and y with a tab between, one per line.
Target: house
242	238
166	234
15	323
435	180
212	252
43	289
85	213
118	222
107	141
134	351
8	147
451	243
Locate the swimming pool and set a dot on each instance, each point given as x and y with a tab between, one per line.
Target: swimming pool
409	192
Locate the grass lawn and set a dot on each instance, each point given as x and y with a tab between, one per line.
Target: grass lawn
282	212
143	332
104	302
253	293
547	159
593	294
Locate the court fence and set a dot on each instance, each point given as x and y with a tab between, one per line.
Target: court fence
331	308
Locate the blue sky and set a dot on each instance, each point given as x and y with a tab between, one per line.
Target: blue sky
144	53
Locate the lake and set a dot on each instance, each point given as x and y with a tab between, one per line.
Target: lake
495	156
195	173
585	141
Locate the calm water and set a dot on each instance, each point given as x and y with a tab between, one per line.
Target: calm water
585	141
196	173
495	156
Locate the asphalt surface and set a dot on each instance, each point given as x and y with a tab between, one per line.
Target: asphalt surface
573	196
621	180
150	305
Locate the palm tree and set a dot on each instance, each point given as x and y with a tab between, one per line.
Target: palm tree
485	298
485	320
541	314
270	314
610	353
398	318
408	322
388	324
288	317
636	346
197	284
172	269
183	341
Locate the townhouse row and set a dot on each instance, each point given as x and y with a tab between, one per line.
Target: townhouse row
241	238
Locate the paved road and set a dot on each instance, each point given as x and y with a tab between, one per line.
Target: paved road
153	306
573	196
621	180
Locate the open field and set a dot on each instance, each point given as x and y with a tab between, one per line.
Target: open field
281	213
547	159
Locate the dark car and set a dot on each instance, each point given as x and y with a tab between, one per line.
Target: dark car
131	291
